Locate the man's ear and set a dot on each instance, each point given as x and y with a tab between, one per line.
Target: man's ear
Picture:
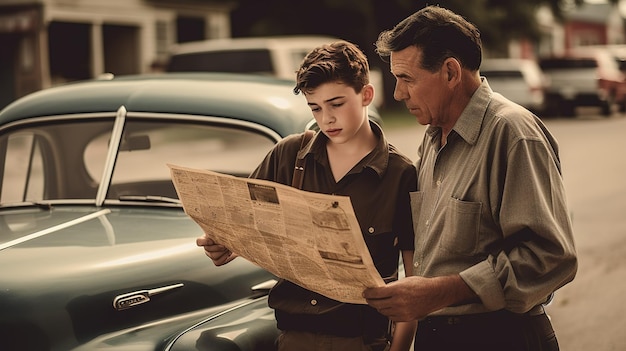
368	94
452	70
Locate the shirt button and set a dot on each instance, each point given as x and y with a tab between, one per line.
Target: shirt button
313	302
371	230
416	264
438	182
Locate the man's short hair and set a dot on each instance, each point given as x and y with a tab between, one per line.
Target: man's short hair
439	33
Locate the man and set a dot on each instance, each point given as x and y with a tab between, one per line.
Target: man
493	239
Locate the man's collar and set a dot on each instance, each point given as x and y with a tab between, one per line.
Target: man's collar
471	119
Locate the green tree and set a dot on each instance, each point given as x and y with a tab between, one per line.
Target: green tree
360	21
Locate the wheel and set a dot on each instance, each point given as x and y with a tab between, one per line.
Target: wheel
568	108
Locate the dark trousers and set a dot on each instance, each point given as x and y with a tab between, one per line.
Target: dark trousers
494	331
306	341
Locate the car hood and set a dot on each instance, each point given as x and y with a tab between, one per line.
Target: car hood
69	264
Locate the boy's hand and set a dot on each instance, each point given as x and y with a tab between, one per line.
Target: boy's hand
219	254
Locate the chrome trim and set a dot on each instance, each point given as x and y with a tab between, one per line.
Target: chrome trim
266	285
114	145
132	299
48	204
172	341
204	119
54	229
153	115
312	124
71	117
108	229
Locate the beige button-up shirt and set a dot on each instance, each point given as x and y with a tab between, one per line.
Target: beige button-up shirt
491	207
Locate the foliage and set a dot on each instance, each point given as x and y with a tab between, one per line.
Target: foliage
360	21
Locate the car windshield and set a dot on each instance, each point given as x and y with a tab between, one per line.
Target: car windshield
71	159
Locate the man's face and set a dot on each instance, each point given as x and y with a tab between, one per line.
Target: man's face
338	110
424	93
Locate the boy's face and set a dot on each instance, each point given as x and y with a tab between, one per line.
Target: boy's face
338	110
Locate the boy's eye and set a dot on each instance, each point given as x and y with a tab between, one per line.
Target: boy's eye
339	104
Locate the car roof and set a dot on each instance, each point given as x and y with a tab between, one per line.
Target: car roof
264	100
296	41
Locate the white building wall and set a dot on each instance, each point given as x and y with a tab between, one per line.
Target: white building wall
615	28
136	13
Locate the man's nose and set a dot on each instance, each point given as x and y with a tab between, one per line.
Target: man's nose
399	92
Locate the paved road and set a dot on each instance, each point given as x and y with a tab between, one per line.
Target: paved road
589	313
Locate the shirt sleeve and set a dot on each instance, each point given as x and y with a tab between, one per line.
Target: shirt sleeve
403	223
537	255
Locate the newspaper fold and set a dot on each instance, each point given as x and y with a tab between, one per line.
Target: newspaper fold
311	239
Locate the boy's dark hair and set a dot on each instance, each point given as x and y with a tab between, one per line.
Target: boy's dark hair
340	61
439	33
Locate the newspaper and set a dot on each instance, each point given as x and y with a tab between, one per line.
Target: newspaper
313	240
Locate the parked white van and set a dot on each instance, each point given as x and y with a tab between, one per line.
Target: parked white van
278	56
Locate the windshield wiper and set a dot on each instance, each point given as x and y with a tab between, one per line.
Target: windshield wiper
149	198
39	204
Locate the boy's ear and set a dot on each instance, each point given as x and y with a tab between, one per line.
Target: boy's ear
368	94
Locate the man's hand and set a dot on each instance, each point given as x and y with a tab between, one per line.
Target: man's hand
413	298
219	254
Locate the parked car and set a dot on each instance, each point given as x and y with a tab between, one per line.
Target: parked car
520	80
278	56
586	78
95	248
618	51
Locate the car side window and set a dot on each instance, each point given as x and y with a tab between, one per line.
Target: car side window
297	55
22	178
236	61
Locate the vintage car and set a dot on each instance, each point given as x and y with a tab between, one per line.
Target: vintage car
95	248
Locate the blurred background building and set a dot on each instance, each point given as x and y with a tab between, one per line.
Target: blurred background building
49	42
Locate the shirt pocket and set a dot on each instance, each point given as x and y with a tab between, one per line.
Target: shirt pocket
460	229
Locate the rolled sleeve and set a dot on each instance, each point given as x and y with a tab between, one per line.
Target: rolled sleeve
482	279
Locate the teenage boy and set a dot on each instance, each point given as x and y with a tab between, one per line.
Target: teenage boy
349	156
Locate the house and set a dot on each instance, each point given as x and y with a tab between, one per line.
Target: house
593	24
597	23
50	42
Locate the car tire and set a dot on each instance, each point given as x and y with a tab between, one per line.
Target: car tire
607	108
568	109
